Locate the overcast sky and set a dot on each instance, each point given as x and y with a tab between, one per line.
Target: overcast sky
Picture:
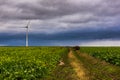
60	22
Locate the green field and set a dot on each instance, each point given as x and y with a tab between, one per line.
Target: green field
42	63
101	63
109	54
21	63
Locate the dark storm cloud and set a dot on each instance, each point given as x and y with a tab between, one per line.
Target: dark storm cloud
2	2
73	37
72	21
109	8
93	12
63	20
47	9
44	9
87	34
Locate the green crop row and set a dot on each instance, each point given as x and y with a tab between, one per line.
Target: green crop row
32	63
109	54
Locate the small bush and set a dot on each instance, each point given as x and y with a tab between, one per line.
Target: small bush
76	48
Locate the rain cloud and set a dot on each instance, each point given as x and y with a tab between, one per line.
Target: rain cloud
58	18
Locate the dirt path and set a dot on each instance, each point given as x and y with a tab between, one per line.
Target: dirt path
78	67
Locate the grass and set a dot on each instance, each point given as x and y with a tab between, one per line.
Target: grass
109	54
98	69
64	72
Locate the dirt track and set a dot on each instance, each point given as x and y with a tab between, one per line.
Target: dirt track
78	67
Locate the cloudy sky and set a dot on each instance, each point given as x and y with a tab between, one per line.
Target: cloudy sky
60	22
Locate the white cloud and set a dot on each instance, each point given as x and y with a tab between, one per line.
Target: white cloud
101	43
3	45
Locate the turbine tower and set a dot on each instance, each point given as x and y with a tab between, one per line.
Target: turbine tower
27	28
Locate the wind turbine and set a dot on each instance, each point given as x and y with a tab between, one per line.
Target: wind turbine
27	30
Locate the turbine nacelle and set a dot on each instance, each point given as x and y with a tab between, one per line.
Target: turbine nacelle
26	27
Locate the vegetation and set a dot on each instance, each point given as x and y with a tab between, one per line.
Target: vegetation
42	63
109	54
64	72
32	63
98	69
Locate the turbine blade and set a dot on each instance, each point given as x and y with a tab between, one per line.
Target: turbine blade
15	27
45	28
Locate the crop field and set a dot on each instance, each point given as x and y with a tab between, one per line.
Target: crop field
32	63
109	54
43	63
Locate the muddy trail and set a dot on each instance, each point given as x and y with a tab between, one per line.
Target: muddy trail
78	67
